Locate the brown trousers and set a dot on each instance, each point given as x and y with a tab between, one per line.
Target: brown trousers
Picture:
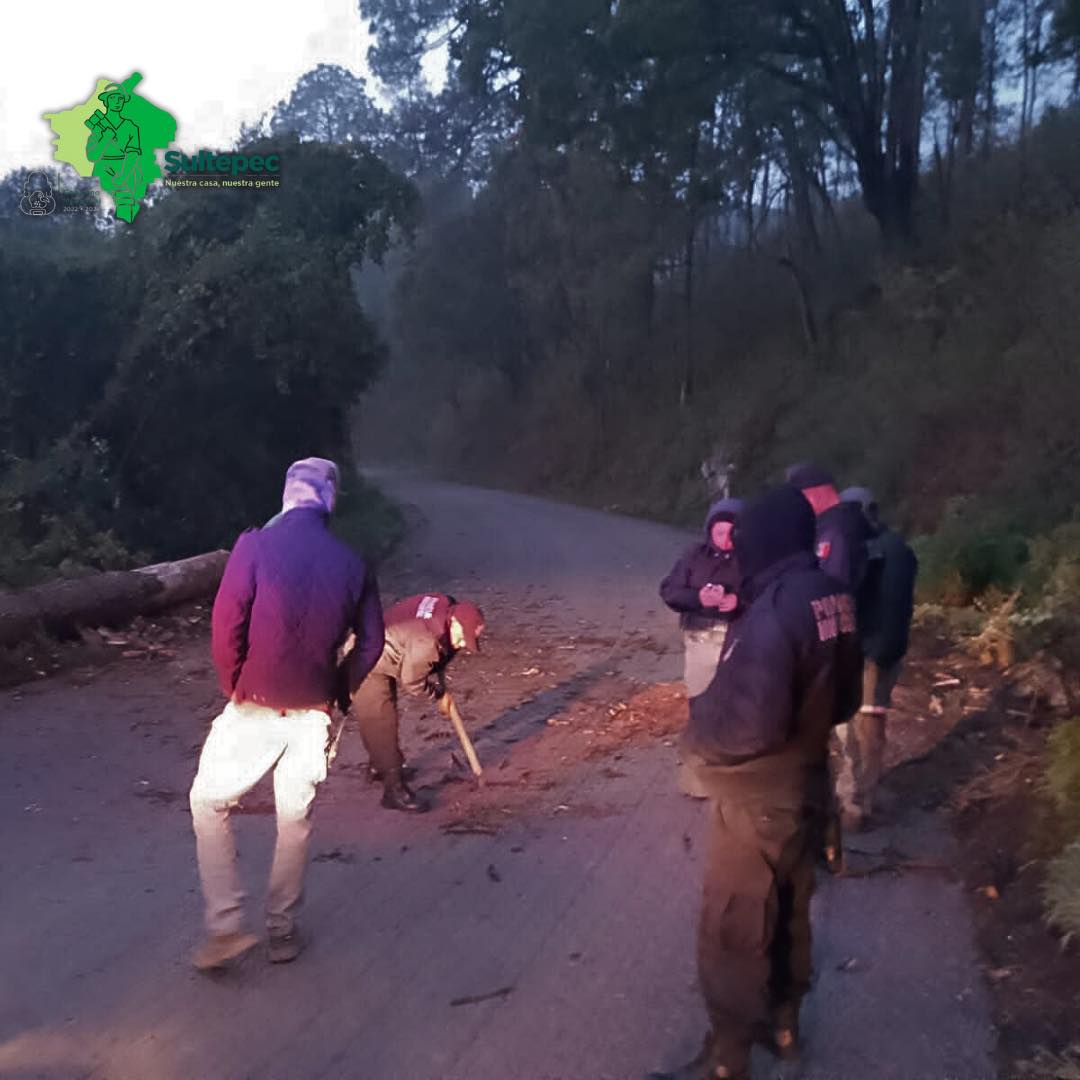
754	936
374	706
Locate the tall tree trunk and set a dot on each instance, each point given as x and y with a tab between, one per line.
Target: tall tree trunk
975	22
686	387
806	308
1025	61
990	90
799	176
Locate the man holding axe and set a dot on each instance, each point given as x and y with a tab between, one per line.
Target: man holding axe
423	634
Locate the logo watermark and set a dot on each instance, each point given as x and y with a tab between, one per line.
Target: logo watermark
37	195
116	136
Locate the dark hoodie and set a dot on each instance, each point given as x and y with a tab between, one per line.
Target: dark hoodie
703	565
791	667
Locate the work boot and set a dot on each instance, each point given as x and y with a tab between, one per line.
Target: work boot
218	950
785	1032
284	948
703	1067
375	776
694	1070
398	796
833	847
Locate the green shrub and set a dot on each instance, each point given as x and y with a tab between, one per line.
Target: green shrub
367	519
973	551
1049	619
1061	893
1062	780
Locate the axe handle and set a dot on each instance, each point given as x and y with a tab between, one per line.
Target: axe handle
463	736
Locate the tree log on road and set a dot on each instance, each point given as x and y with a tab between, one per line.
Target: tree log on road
108	599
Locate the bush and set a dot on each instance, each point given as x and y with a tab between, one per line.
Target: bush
1062	781
367	519
55	513
1061	892
1050	617
972	552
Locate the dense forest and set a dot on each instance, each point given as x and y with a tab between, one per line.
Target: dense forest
612	251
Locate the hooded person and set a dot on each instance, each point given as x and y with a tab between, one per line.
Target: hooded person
423	635
703	587
885	603
790	671
290	597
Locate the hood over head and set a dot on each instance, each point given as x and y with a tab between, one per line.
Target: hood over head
774	527
866	501
310	482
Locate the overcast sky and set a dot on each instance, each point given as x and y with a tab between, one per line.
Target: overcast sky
211	63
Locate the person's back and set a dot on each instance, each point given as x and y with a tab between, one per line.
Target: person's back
885	605
789	672
417	641
423	634
307	588
290	596
887	600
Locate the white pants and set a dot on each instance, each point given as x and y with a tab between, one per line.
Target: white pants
245	742
702	657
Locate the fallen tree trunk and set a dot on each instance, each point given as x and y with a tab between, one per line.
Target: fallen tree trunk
107	599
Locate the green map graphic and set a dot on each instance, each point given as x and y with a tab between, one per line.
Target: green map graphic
114	135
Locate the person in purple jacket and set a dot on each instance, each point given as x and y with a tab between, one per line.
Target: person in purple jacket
290	597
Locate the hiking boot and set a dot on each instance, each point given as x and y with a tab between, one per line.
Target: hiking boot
703	1067
688	782
218	950
694	1070
834	859
397	795
375	776
785	1033
833	844
283	948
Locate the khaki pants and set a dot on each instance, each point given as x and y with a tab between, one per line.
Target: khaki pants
861	743
374	705
245	742
754	935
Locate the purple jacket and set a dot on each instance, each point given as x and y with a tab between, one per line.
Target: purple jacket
290	596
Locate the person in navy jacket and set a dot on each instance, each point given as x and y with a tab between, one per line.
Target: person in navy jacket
790	671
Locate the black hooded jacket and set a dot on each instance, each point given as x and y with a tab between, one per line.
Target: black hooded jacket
791	667
887	598
701	565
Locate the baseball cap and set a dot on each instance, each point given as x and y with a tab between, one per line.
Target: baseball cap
472	622
808	475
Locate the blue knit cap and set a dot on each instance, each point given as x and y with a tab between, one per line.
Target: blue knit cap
724	510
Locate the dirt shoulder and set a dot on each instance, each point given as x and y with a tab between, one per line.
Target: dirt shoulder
983	772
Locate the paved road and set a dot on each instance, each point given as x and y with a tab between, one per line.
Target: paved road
556	944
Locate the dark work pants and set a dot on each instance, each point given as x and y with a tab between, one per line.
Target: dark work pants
754	937
374	706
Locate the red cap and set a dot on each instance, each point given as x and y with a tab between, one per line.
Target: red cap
471	619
